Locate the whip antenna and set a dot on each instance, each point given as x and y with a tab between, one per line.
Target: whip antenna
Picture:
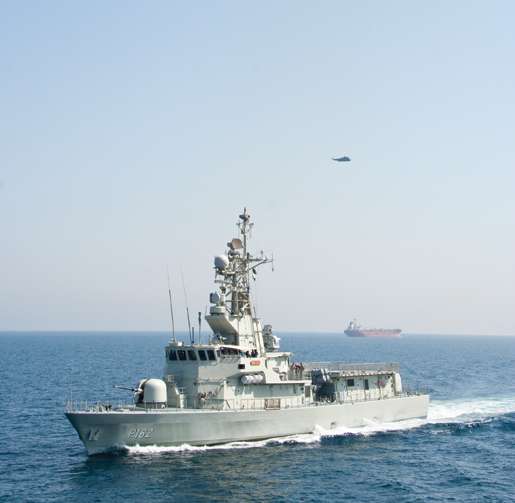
171	306
209	334
199	326
187	308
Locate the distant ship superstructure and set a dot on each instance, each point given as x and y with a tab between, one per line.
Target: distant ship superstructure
239	385
355	330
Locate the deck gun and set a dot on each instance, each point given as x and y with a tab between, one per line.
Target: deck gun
128	388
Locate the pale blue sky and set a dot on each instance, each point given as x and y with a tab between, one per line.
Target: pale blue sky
132	134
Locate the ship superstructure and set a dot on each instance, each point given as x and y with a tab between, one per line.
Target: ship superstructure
239	385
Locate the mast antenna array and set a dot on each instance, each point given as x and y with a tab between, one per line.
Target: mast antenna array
235	270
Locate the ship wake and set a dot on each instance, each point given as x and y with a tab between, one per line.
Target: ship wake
441	413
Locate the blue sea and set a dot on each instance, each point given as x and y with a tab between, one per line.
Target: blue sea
463	452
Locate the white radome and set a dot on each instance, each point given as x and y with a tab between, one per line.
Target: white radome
154	391
221	262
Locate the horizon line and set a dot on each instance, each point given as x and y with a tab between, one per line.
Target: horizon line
285	332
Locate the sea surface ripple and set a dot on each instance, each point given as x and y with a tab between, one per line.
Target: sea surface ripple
464	450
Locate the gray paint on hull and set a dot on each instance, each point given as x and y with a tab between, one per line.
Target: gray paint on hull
103	431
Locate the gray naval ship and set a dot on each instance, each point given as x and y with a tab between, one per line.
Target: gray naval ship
239	386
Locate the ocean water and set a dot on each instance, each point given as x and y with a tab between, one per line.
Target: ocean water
464	451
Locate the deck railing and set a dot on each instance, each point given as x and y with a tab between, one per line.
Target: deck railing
252	403
118	406
234	404
303	371
352	367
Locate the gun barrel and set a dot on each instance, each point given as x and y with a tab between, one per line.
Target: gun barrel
128	388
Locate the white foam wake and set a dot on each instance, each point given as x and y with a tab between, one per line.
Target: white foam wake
440	412
461	411
307	438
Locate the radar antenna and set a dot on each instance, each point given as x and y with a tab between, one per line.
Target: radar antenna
235	271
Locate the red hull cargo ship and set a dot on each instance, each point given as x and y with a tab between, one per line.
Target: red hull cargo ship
355	330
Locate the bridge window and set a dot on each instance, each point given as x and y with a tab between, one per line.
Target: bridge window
366	384
173	355
230	352
182	355
350	382
211	354
202	354
191	354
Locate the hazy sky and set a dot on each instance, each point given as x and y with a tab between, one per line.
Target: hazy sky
133	133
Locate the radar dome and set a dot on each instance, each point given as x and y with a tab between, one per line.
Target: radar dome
221	262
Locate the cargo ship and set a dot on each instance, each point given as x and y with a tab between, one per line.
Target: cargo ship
355	330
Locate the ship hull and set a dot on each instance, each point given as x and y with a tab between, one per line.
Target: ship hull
373	333
105	431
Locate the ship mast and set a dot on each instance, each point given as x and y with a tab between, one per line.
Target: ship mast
241	302
234	276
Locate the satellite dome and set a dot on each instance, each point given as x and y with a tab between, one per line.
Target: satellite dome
221	262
